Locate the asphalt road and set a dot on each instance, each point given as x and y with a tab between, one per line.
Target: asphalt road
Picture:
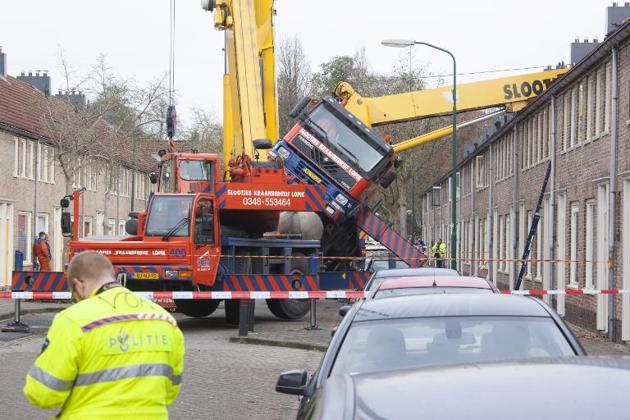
222	380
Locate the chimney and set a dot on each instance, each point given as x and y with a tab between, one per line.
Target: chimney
76	98
38	80
615	16
3	63
579	50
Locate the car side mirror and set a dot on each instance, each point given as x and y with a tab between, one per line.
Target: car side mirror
292	382
344	310
131	226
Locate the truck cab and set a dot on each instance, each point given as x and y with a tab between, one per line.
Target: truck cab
187	172
330	146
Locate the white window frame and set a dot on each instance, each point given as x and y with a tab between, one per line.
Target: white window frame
121	227
573	245
589	245
87	221
574	102
28	255
566	116
599	99
46	227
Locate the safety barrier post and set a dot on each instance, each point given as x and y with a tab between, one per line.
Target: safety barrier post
252	317
17	325
244	317
313	316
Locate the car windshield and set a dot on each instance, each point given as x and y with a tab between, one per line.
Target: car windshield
380	275
381	345
406	291
195	170
347	139
166	211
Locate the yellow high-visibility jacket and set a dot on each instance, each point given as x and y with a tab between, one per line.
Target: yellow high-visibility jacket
115	355
441	249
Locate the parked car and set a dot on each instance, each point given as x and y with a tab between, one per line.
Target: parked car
378	258
412	331
570	388
403	286
380	275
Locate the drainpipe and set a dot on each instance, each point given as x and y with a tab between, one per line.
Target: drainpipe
611	198
474	264
517	216
34	220
551	230
490	221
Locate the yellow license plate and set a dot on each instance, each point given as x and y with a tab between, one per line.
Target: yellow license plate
312	175
146	276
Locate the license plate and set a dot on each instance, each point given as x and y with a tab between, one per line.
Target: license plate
146	276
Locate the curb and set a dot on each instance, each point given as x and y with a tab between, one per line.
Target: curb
278	343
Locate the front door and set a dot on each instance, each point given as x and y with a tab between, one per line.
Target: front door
6	243
207	250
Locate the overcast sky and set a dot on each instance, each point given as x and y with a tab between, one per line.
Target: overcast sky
134	35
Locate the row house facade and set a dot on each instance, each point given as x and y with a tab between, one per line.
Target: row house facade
581	127
32	183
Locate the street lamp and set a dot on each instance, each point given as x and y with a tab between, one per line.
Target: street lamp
403	43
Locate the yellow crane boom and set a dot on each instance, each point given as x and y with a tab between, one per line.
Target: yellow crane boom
249	82
512	92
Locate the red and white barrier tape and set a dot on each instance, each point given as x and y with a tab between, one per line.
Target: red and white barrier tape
320	294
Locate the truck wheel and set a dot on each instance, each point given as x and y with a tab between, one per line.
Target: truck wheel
197	308
292	308
243	265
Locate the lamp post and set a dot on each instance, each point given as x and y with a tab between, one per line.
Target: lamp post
403	43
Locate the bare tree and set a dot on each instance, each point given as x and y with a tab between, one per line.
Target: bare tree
204	133
294	79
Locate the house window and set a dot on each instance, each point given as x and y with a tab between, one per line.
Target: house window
23	157
575	211
599	101
582	98
573	136
41	224
24	236
608	101
590	105
51	165
87	226
506	252
530	219
540	240
110	228
481	176
589	245
566	116
121	227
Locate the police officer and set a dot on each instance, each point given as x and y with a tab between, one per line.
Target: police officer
111	355
439	252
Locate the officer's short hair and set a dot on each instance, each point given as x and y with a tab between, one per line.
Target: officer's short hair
90	266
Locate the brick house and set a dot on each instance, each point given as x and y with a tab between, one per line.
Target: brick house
32	183
581	125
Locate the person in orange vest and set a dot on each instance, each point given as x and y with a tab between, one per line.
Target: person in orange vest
42	252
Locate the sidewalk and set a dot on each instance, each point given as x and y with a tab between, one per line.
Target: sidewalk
7	307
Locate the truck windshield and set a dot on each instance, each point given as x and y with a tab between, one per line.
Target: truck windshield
166	211
347	139
195	170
